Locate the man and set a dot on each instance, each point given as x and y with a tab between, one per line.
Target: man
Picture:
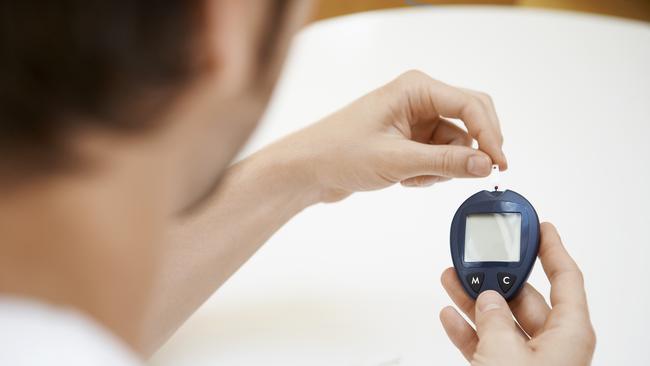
120	212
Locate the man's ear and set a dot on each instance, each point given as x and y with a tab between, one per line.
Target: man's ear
239	31
232	31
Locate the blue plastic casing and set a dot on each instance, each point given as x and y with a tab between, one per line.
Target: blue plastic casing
496	202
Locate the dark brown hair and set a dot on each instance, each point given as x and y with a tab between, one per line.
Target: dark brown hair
101	63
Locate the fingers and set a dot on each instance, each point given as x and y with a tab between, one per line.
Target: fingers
487	102
442	133
567	285
570	314
494	321
456	292
490	109
530	310
450	161
568	297
529	306
423	130
427	98
447	133
461	334
423	181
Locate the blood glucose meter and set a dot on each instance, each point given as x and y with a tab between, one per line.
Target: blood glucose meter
494	242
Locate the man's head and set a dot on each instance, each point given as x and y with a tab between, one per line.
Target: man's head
116	116
72	70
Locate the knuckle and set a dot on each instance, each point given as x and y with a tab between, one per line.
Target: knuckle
485	97
472	107
412	77
578	276
444	162
407	81
413	74
478	103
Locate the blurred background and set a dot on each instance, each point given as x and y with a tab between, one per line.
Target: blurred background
633	9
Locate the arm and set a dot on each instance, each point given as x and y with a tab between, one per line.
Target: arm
397	133
256	197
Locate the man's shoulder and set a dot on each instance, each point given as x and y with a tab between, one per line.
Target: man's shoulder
34	333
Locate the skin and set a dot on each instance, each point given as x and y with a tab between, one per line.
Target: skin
322	163
163	219
527	331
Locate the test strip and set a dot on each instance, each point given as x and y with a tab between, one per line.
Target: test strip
495	177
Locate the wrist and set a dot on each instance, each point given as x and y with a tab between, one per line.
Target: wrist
287	174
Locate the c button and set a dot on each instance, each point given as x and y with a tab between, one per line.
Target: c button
506	281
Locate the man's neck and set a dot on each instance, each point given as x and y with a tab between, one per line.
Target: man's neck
71	242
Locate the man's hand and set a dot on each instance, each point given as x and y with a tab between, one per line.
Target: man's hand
559	335
397	133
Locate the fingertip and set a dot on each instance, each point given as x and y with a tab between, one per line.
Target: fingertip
548	227
490	300
446	313
459	331
530	309
549	237
452	322
504	162
445	276
479	165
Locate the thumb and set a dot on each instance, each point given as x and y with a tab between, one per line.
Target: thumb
494	321
442	160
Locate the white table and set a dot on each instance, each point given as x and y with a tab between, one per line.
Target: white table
357	283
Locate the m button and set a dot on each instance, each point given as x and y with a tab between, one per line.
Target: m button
475	280
506	280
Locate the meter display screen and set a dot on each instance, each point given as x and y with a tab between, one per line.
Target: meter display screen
493	237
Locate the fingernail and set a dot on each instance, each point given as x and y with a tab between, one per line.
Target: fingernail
489	300
428	181
420	182
479	165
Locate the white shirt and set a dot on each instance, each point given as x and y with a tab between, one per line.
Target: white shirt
33	333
